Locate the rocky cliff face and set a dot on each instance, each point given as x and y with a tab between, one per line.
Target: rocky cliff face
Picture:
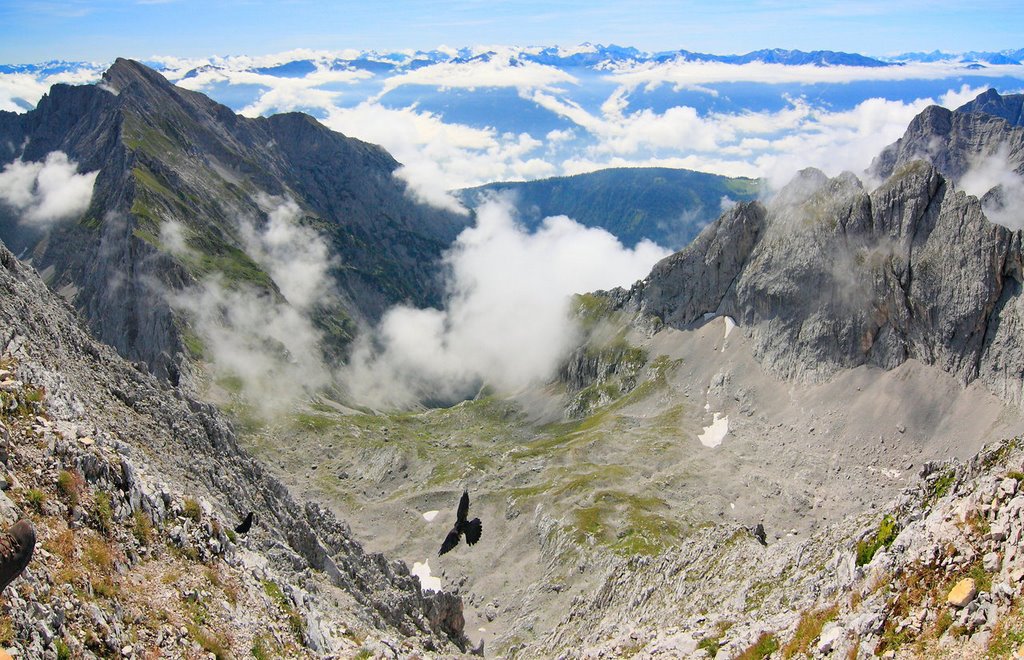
954	142
990	102
174	482
829	276
166	155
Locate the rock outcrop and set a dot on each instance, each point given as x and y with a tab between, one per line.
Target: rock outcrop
151	448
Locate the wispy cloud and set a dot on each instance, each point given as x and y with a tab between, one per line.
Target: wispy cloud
43	194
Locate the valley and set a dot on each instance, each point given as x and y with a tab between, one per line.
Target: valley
793	435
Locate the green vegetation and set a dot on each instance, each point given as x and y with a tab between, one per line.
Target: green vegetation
884	537
63	652
295	621
142	528
68	485
191	509
36	499
103	514
940	487
808	630
765	645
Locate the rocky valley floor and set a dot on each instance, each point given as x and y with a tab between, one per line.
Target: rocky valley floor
668	468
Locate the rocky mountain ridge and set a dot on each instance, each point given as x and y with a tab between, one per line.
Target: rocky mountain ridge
165	155
829	276
129	480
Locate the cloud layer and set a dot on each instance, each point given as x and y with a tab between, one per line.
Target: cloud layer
506	320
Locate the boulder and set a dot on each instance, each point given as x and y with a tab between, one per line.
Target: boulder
963	593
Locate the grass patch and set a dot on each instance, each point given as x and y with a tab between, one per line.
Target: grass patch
103	514
941	486
142	528
808	630
36	499
882	538
312	422
765	645
69	484
191	510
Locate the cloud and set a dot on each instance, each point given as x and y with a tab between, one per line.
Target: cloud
281	94
506	321
993	180
268	343
440	156
43	194
681	74
499	70
20	92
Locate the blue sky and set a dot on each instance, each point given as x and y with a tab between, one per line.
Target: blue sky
37	30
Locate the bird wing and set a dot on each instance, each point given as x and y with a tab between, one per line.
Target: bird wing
473	529
463	513
450	542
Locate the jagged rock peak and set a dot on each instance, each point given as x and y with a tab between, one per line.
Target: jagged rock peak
124	72
990	102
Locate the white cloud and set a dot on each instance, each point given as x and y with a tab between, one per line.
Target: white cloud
269	344
296	257
438	156
498	71
688	75
43	194
996	173
20	91
505	322
282	94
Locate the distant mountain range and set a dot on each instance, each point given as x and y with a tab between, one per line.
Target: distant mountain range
586	55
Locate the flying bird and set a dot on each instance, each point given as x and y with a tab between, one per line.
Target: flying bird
471	528
245	525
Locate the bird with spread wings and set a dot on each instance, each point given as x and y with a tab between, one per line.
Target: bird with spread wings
471	528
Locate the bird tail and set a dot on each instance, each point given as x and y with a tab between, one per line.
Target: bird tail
473	530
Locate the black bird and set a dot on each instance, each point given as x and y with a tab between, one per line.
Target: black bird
471	528
245	525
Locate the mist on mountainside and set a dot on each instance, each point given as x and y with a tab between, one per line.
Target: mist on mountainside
506	320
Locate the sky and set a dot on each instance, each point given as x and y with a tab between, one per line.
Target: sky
99	30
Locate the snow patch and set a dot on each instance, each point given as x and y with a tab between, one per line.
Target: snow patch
427	581
430	515
714	434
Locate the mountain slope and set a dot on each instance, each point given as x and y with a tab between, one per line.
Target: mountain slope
666	206
168	155
175	480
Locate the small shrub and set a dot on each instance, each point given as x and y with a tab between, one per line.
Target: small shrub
191	509
63	652
103	513
36	499
709	645
6	629
142	528
363	654
884	537
69	485
808	630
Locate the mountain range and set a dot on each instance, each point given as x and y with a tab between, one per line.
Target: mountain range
778	434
